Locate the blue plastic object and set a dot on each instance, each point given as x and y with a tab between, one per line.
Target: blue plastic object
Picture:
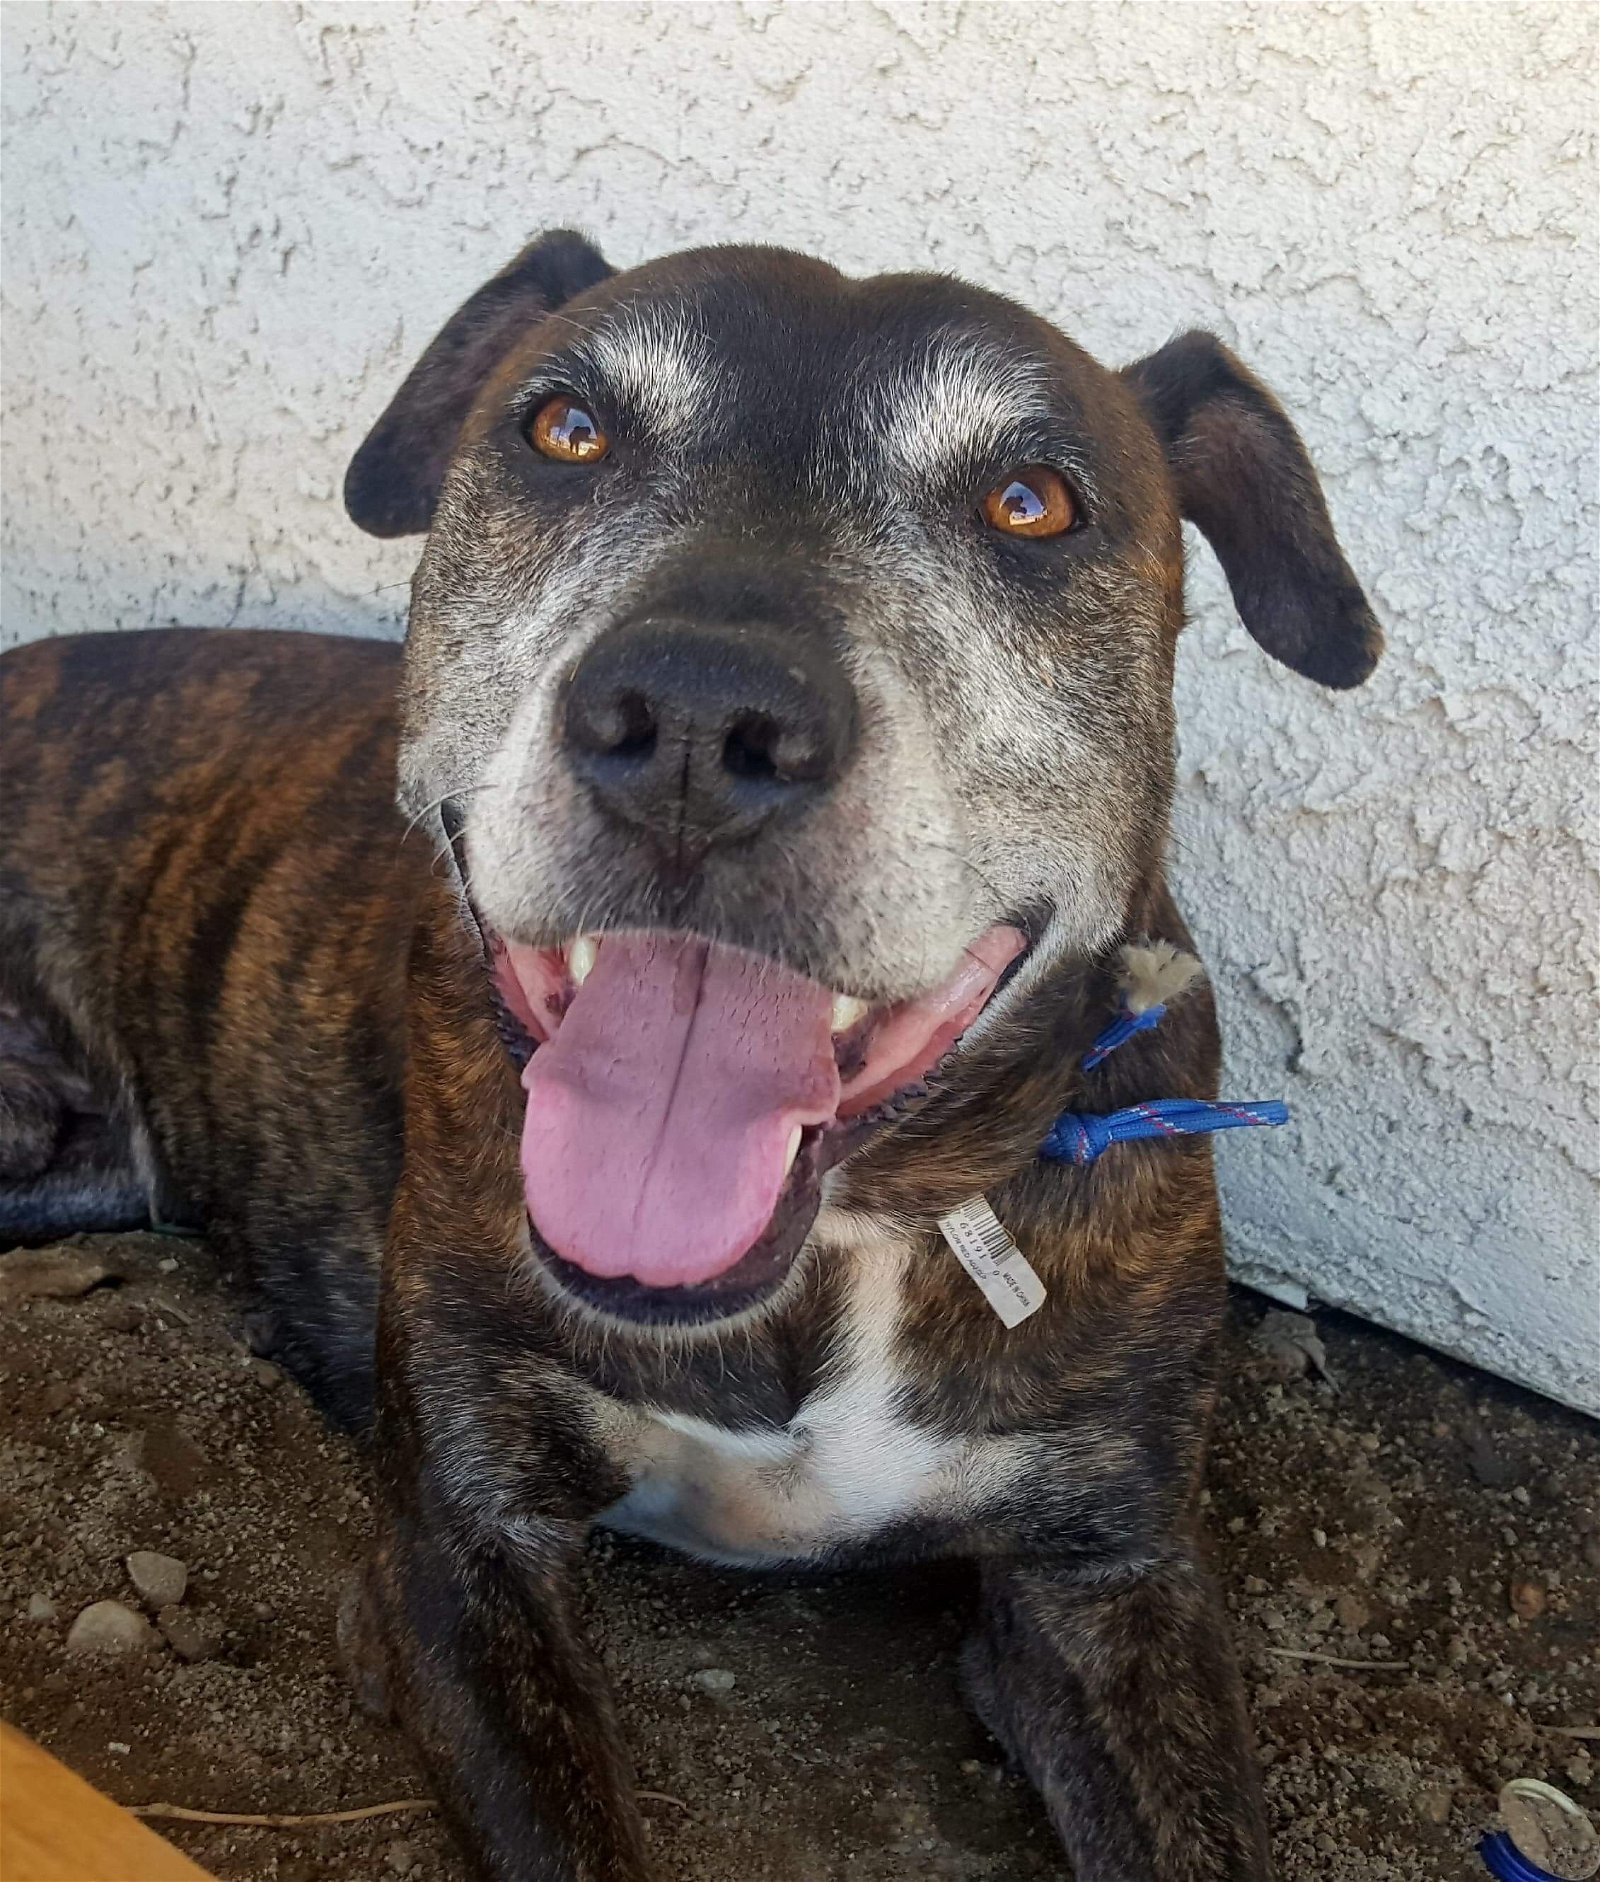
1537	1813
1502	1858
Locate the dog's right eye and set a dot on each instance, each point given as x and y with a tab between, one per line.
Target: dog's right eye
1032	502
563	430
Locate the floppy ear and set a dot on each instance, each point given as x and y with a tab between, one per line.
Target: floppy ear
394	479
1244	479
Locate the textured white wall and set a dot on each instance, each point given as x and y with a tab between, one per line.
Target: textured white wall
229	228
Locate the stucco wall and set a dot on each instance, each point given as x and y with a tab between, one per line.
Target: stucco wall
229	228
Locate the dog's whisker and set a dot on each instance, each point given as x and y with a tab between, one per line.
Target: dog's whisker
444	797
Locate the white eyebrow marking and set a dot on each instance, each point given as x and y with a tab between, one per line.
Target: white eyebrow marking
960	401
659	366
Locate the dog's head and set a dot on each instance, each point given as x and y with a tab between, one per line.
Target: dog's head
790	669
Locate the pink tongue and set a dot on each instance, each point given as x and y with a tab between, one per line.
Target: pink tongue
660	1114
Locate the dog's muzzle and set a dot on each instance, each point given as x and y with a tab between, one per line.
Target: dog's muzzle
685	1098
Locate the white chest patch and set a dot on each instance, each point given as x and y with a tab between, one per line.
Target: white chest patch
849	1464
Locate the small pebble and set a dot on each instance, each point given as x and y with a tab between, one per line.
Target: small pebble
1351	1612
714	1679
1291	1345
170	1456
1433	1806
160	1579
1489	1465
41	1608
1528	1597
400	1856
110	1627
191	1636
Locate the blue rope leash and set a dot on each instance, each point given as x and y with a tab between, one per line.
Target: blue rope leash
1120	1031
1081	1136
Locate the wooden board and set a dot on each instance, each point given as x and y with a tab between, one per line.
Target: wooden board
56	1828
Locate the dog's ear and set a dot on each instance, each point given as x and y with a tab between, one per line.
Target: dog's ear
394	479
1244	479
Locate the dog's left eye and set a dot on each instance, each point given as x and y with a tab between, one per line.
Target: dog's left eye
563	430
1033	502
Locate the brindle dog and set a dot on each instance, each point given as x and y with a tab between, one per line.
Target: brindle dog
784	739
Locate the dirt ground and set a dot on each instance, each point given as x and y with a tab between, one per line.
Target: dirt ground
1369	1502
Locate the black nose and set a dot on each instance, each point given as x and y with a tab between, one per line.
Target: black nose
700	735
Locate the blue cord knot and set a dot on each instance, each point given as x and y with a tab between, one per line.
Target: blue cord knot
1081	1136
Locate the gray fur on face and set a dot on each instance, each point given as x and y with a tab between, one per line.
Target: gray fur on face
660	367
939	412
1015	727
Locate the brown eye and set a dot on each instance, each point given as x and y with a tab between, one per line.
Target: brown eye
1034	502
565	431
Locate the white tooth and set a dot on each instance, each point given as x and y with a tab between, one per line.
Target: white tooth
581	958
846	1011
794	1149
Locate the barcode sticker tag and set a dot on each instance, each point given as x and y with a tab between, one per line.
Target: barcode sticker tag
982	1246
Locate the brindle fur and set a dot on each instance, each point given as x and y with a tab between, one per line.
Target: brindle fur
234	988
204	890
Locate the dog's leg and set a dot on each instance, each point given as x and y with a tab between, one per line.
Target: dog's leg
477	1652
65	1160
1117	1694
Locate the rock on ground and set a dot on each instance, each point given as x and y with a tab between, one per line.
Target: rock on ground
109	1627
160	1579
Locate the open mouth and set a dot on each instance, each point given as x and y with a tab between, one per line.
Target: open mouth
685	1099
